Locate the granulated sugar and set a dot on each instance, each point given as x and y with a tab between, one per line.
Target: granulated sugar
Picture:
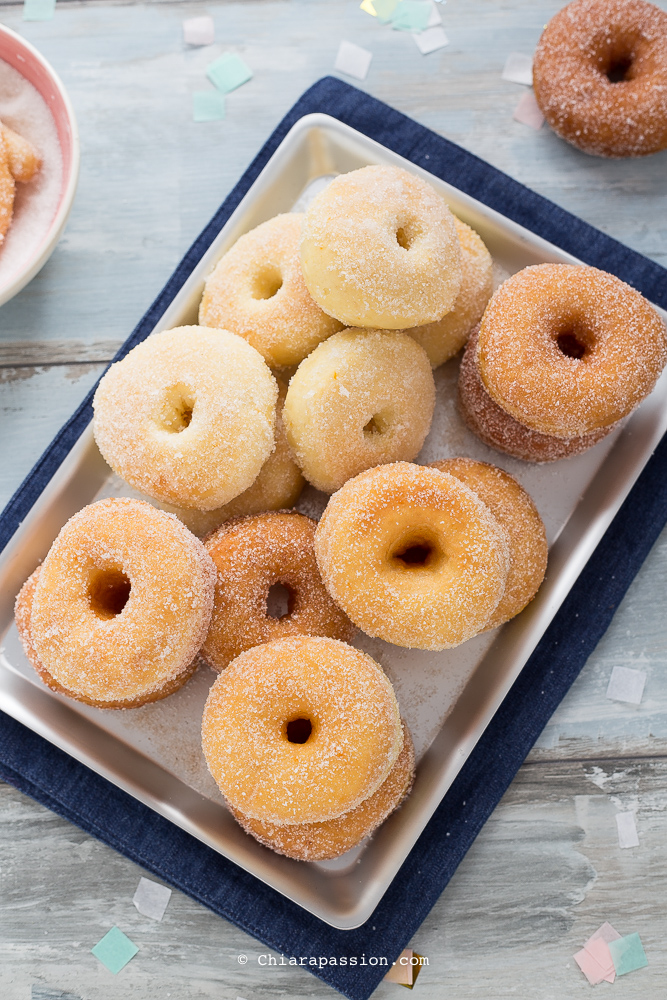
25	111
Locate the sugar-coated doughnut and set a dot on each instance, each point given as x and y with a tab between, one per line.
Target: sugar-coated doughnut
118	610
413	556
322	841
257	291
362	398
277	487
515	511
567	349
445	338
7	188
499	430
23	158
301	730
187	416
379	249
252	554
600	76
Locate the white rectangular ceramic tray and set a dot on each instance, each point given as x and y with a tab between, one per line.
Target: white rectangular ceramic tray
447	698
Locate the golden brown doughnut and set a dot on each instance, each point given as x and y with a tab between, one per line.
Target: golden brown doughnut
445	338
515	511
322	841
251	554
301	730
413	556
23	158
600	76
115	615
257	291
379	249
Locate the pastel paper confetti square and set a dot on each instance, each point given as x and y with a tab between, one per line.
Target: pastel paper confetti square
199	31
519	69
384	9
590	967
435	17
151	898
38	10
208	106
353	60
599	949
367	6
228	72
606	932
527	111
627	830
626	685
628	954
115	950
431	40
412	15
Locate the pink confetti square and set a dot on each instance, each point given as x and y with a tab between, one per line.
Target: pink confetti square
590	967
606	932
599	950
527	111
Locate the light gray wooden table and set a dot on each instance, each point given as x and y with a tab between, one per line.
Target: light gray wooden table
546	870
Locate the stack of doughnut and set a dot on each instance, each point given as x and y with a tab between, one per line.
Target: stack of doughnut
19	161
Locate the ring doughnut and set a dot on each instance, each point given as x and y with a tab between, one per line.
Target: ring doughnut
362	398
515	511
499	430
445	338
567	349
600	76
257	291
379	249
22	157
300	730
322	841
187	416
7	187
115	615
412	556
251	554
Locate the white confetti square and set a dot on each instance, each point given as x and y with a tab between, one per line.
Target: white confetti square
431	40
435	17
519	69
353	60
151	898
626	685
527	111
627	830
199	31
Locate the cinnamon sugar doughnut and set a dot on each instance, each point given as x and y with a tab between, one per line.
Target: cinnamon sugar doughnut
379	249
600	76
22	157
322	841
257	291
445	338
277	487
7	187
115	615
362	398
300	730
251	554
567	350
499	430
187	416
515	511
413	556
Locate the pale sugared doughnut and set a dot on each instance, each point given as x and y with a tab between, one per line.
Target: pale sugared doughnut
321	841
515	511
496	428
600	76
301	730
257	291
252	554
117	612
23	158
379	249
413	556
188	416
362	398
567	349
7	188
277	487
445	338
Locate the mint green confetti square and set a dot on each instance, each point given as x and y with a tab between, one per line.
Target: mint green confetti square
411	15
115	950
228	72
628	954
384	9
208	106
38	10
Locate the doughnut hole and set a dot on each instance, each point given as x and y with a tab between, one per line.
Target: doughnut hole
279	601
378	424
417	551
407	233
575	341
108	592
267	282
298	730
178	405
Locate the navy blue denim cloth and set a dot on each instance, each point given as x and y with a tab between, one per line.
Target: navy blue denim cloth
71	790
